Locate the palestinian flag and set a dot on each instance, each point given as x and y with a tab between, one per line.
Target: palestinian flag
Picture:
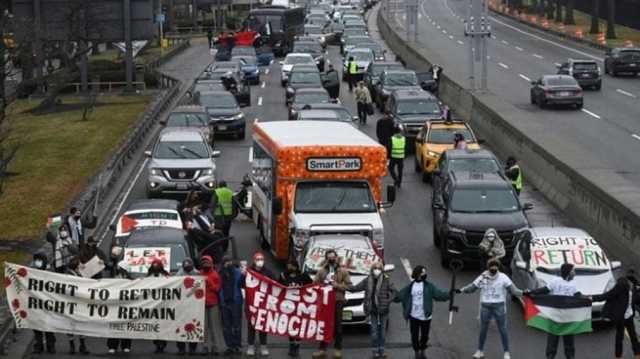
558	314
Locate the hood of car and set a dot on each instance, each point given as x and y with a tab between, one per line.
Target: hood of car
587	284
186	163
479	222
222	112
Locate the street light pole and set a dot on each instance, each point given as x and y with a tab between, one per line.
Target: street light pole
478	29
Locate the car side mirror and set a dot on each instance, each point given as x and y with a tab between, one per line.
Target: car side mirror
189	94
215	153
521	265
389	268
616	265
147	153
527	206
276	207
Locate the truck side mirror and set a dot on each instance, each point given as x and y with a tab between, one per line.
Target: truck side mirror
276	207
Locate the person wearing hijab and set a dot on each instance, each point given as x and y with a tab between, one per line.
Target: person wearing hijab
156	269
294	278
491	246
119	271
258	267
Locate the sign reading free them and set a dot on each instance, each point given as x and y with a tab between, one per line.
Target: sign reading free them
316	164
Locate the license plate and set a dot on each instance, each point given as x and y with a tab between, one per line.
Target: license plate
632	65
222	128
182	186
563	93
347	315
585	75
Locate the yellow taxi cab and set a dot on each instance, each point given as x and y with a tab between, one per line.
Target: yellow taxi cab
434	138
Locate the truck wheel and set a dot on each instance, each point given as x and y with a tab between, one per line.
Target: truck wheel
598	86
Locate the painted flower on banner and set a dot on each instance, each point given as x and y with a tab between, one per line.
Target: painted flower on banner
192	330
7	282
22	271
199	293
13	278
15	304
188	282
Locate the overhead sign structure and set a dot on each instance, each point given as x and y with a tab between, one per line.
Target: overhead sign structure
103	20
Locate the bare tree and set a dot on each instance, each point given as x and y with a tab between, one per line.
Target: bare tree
558	10
611	19
7	150
595	17
568	16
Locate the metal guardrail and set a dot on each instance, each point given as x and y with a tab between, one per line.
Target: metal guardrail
109	85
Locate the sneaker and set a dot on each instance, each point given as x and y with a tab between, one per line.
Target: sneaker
112	351
319	354
478	354
337	354
251	350
264	351
126	350
507	355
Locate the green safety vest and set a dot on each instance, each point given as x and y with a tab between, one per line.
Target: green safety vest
225	202
397	147
353	68
518	182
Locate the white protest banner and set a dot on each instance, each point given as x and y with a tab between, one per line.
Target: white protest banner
139	259
552	252
162	308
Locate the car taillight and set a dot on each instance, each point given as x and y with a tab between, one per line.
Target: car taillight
578	93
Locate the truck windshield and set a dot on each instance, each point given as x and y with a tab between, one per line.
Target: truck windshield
334	197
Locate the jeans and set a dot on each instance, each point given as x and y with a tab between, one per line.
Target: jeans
213	328
399	164
419	333
378	326
552	346
182	345
251	335
232	324
337	328
499	312
40	337
631	329
113	343
362	112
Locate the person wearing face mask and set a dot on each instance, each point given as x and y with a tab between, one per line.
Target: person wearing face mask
293	277
378	295
77	227
120	270
213	327
156	269
91	250
493	286
64	249
40	262
491	245
563	285
187	269
74	270
231	305
258	267
331	272
417	307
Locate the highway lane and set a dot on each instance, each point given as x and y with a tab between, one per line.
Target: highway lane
408	229
606	130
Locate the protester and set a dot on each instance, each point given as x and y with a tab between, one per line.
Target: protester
64	249
119	271
379	292
213	325
89	251
40	262
74	270
156	269
210	37
563	285
222	206
77	226
231	305
293	277
619	309
187	269
493	286
398	151
332	83
258	267
491	246
333	273
363	102
417	307
514	173
384	131
459	143
210	241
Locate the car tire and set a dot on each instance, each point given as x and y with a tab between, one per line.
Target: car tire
606	68
416	165
533	100
436	237
542	103
579	106
614	73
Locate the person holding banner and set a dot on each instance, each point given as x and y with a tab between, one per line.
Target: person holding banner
417	307
40	262
156	269
231	305
258	267
213	326
91	250
333	273
295	278
378	295
63	247
187	269
74	270
119	271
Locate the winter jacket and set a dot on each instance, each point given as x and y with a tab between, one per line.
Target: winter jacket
362	95
384	130
341	277
430	293
212	279
77	228
382	294
236	285
617	301
296	279
64	251
493	249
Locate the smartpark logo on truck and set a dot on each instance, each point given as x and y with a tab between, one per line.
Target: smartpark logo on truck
315	164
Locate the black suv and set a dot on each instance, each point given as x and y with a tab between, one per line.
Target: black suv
410	108
302	76
621	60
391	80
372	75
586	72
468	205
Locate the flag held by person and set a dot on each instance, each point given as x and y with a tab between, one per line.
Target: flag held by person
558	314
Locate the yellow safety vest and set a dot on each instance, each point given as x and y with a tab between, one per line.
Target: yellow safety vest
397	147
518	182
225	202
353	68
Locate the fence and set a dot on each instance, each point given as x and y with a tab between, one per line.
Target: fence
139	85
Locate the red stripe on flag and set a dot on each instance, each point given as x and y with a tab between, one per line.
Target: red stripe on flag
530	309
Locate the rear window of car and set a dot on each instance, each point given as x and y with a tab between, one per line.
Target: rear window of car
186	120
444	135
585	66
561	81
630	54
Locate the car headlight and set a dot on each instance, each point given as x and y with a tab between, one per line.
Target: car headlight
256	71
208	172
300	237
155	171
456	230
432	154
239	116
290	91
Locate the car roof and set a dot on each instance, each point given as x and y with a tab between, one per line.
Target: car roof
157	236
306	26
582	61
315	133
329	106
215	93
359	49
188	134
399	71
152	204
299	54
413	93
319	113
565	77
542	232
188	109
477	180
311	90
470	153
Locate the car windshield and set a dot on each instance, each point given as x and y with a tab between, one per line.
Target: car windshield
481	165
187	120
313	48
444	135
180	150
359	260
378	69
585	66
333	197
342	113
306	78
361	55
484	201
177	254
202	87
314	97
633	55
401	79
218	101
561	81
294	60
316	30
418	107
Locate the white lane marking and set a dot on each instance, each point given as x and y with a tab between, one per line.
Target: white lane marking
591	114
451	37
493	37
260	101
557	64
264	83
538	56
407	266
636	136
621	91
419	16
524	77
503	65
460	42
444	32
446	3
519	48
126	195
505	42
545	40
266	72
251	154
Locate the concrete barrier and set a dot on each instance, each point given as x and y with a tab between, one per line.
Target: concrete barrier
602	202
